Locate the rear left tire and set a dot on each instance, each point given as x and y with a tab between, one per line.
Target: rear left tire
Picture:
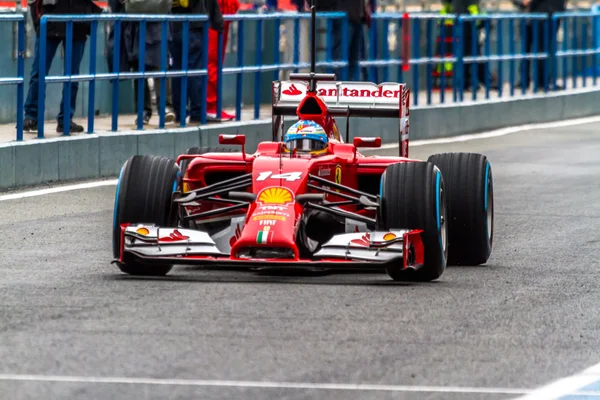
144	195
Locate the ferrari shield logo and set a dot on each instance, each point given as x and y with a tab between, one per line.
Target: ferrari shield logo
338	175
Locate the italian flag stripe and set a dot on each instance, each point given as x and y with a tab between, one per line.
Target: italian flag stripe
262	237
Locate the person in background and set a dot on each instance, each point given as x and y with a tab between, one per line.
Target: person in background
56	34
129	58
358	14
547	7
227	7
215	18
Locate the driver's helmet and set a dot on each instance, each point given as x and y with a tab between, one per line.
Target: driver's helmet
306	137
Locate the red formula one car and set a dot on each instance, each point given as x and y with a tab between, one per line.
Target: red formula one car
285	208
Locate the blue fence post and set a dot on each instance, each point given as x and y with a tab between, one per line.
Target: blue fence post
584	29
564	47
461	57
67	85
257	76
511	51
486	51
500	51
574	63
42	75
443	36
141	79
296	43
386	49
21	76
372	52
328	43
204	80
415	46
92	85
474	64
524	71
276	42
534	50
162	102
546	50
595	44
240	75
219	75
185	41
116	70
344	52
429	52
455	40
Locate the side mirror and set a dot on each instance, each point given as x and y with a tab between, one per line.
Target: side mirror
372	142
240	140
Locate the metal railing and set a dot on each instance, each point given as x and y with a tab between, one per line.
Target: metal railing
400	47
164	73
19	79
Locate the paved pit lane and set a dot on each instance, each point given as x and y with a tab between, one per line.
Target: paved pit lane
72	326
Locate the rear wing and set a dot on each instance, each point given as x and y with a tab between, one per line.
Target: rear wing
341	99
356	99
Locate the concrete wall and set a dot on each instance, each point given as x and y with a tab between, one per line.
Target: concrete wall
94	156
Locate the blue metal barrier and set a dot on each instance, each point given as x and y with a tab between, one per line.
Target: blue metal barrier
276	67
141	74
19	79
412	56
581	55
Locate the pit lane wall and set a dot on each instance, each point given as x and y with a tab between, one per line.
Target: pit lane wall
102	155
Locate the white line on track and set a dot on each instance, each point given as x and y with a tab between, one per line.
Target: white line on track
566	386
415	143
259	384
268	384
58	189
497	132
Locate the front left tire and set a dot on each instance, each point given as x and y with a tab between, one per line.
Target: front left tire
144	195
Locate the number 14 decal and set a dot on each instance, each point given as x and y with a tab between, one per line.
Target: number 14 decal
289	176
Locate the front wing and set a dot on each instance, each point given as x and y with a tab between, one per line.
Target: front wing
150	244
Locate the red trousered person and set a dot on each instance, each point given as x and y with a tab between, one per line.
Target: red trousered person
227	7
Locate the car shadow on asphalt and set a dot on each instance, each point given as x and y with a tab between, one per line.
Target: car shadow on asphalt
276	276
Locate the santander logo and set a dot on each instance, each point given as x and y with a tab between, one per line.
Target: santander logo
292	91
351	92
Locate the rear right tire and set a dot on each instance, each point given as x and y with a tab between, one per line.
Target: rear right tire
413	197
470	194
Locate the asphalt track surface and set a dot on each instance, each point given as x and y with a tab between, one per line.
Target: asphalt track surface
528	317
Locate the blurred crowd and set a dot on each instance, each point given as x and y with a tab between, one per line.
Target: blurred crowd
359	21
129	53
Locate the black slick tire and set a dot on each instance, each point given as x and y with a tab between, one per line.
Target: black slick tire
470	194
144	195
413	197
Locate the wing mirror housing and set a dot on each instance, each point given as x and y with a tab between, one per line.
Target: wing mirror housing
367	142
239	140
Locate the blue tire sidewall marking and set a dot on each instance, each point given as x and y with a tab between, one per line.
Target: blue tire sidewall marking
438	179
118	191
485	202
177	178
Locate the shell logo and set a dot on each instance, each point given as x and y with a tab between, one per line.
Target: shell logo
276	195
389	236
143	231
